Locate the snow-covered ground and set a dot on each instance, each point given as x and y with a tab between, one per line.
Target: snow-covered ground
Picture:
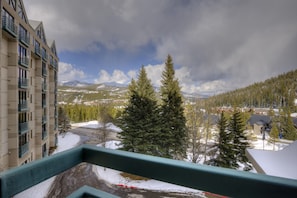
114	177
95	125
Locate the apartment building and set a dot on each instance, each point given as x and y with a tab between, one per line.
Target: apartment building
28	88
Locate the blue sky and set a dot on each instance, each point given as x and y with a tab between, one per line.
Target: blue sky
216	45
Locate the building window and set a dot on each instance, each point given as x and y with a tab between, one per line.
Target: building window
8	23
22	117
12	3
23	139
23	59
22	51
24	35
44	151
21	11
23	144
23	81
22	73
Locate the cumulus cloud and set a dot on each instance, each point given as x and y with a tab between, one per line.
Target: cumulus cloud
154	73
68	72
226	43
117	76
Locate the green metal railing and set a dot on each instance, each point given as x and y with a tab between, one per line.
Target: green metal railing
207	178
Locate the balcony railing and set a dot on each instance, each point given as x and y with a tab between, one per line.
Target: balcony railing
23	105
24	38
44	55
43	103
44	119
44	134
201	177
23	83
23	149
37	50
9	26
43	86
23	127
24	61
44	71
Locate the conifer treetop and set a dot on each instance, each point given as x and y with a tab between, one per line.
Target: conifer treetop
144	85
169	82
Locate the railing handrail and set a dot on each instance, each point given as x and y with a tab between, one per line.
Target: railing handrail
201	177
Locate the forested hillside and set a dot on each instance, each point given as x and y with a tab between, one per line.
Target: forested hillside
276	92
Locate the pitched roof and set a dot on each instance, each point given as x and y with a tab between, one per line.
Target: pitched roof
34	24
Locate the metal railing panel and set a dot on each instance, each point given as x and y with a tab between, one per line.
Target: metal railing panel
20	178
201	177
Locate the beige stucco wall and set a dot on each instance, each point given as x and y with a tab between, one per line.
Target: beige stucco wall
9	99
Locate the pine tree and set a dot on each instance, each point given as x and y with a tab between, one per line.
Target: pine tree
240	140
287	125
174	132
63	120
274	133
194	117
140	118
225	154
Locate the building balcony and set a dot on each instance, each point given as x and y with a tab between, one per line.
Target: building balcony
44	71
37	51
43	103
44	119
9	26
23	83
23	149
216	180
23	105
24	38
44	55
24	61
43	87
44	153
53	63
23	127
43	134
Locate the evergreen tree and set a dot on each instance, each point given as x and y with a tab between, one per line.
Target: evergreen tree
140	118
273	133
287	125
63	120
174	132
194	117
225	154
240	140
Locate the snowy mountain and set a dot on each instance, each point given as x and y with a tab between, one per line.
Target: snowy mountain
74	83
88	93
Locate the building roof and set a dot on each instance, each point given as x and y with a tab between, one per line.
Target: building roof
277	163
255	118
34	24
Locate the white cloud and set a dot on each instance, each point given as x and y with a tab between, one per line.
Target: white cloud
154	73
68	72
229	42
117	76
